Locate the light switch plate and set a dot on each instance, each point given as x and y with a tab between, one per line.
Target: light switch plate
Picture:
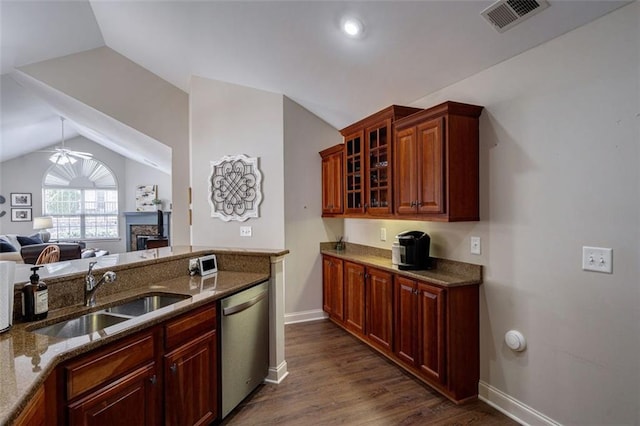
597	259
475	245
383	234
245	231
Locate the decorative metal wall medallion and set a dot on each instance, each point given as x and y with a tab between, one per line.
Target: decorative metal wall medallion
235	190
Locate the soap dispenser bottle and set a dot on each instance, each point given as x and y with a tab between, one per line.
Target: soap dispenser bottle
35	298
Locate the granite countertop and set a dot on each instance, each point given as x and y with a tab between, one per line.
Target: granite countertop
28	358
128	259
446	273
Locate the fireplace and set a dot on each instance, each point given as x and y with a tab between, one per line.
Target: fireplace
139	234
141	226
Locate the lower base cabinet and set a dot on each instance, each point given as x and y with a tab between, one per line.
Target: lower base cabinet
35	413
190	382
164	375
420	328
130	400
431	331
380	308
333	288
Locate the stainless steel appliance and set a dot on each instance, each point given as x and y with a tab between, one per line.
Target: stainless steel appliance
245	344
414	250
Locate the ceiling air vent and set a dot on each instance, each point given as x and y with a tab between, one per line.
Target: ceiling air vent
505	14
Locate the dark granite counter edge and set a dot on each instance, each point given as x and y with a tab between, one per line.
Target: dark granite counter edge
447	273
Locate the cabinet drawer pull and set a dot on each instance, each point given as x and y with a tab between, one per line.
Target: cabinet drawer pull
173	368
153	379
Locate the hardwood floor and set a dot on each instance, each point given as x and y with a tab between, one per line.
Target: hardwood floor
335	379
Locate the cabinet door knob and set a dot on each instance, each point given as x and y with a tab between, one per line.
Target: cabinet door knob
153	379
173	368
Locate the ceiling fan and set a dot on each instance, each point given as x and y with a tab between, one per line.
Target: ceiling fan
62	155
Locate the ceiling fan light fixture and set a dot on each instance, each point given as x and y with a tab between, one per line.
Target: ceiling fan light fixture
61	158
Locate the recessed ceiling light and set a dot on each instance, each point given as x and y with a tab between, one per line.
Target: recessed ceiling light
352	27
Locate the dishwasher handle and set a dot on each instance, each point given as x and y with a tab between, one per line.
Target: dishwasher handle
244	305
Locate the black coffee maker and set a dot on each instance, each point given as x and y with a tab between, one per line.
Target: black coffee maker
414	250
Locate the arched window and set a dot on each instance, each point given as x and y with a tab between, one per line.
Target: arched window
82	198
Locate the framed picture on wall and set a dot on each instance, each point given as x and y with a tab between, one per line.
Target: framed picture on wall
20	215
20	199
145	198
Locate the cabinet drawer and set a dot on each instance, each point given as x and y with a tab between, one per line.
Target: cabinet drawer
108	363
190	325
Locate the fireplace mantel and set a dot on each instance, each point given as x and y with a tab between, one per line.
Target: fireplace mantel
146	218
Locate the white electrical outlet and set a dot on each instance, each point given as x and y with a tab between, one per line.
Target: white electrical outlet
597	259
245	231
475	245
383	234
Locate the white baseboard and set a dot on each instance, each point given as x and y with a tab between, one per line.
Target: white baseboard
277	375
304	316
511	407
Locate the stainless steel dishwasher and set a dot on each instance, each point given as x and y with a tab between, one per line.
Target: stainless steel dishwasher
245	344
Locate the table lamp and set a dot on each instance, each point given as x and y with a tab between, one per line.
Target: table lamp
42	224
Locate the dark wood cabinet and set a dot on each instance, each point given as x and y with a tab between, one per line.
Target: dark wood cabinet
406	315
368	303
34	414
333	287
420	327
168	372
190	368
430	330
436	161
354	173
332	182
379	308
130	400
114	384
378	196
368	167
354	297
190	382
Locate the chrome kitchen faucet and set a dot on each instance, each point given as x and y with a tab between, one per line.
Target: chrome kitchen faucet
91	287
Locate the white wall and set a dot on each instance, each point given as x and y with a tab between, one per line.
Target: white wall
304	136
559	170
139	174
112	84
226	119
25	174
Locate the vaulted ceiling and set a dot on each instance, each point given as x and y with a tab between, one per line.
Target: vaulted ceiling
408	50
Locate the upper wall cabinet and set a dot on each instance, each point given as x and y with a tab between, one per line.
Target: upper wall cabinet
332	183
368	169
436	164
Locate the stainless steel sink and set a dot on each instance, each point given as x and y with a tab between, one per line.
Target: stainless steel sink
86	324
145	304
96	321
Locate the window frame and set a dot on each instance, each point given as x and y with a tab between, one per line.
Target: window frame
73	172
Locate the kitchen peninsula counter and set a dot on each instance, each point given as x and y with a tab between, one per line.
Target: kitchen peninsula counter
28	358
